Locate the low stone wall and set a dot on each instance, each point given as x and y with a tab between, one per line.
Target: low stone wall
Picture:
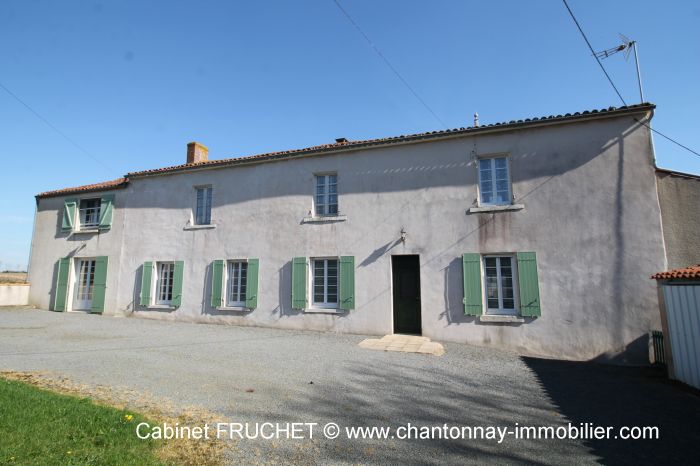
14	294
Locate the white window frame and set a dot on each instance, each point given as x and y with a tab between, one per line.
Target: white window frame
228	283
326	196
207	201
157	284
516	295
75	279
82	213
492	160
324	304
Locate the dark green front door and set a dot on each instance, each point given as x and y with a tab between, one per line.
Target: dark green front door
406	284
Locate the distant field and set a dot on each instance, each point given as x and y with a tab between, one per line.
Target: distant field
13	277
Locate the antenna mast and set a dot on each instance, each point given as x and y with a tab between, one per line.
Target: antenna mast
628	45
639	74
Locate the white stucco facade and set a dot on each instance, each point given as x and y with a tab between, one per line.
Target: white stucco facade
590	212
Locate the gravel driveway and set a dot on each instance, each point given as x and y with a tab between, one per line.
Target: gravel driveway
258	375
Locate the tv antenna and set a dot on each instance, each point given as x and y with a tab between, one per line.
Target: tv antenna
627	45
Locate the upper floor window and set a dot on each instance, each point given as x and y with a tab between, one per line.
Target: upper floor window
89	213
203	207
494	181
326	200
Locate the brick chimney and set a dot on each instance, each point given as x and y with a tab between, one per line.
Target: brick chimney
197	153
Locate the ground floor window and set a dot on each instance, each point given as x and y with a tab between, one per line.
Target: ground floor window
325	283
500	289
84	284
164	285
237	283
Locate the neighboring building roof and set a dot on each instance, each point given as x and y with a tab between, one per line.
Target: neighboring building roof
345	145
686	272
679	174
104	186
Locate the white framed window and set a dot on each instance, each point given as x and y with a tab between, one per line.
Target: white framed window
202	210
237	282
326	198
494	181
89	213
84	283
501	291
164	283
324	282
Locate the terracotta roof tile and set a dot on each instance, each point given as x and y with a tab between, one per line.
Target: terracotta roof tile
345	145
686	272
342	145
104	186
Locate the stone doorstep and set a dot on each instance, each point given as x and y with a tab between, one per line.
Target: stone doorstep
403	344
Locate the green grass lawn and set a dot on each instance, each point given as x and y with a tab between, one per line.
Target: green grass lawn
42	427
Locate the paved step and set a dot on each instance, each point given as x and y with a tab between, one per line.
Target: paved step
404	344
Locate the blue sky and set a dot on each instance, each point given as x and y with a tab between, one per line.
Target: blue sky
132	81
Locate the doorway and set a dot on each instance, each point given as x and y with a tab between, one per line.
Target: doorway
405	272
84	284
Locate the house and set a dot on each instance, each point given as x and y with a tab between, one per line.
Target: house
536	236
679	195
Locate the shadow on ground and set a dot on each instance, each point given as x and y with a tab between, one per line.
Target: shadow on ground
400	393
625	396
550	393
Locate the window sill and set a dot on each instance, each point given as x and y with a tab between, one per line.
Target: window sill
161	307
233	308
324	310
89	231
210	226
325	219
501	318
495	208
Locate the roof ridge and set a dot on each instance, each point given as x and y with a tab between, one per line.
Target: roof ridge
349	145
392	139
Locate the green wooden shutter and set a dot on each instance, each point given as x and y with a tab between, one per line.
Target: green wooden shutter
251	289
177	283
347	282
146	282
471	268
299	275
217	284
99	284
106	207
62	274
69	208
529	285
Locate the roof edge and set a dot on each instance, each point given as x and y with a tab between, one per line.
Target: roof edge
512	125
677	173
119	183
691	273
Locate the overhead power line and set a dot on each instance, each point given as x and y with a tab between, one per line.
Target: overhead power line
597	59
671	139
594	53
387	62
53	127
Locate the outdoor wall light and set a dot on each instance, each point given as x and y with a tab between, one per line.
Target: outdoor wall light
403	235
